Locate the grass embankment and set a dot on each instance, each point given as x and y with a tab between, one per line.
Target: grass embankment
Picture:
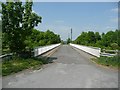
113	62
18	64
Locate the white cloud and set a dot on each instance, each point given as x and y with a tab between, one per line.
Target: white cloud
114	10
110	27
115	20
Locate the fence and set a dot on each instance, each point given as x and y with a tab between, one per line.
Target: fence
109	53
91	50
6	56
37	51
40	50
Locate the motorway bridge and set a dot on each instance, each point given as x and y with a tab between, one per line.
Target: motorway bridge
72	68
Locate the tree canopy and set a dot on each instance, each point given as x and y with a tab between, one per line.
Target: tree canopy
18	20
110	40
18	33
39	38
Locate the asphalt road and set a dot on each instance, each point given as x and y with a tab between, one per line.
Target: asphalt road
71	69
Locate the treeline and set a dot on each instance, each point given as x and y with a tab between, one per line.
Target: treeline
109	40
18	33
39	38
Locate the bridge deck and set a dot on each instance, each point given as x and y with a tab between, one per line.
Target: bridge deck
71	69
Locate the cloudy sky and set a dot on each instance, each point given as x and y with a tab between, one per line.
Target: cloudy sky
60	17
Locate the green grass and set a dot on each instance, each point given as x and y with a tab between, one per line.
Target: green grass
18	64
109	61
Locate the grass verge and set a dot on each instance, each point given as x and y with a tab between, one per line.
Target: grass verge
18	64
113	62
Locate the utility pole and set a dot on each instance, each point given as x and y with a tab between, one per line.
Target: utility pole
71	34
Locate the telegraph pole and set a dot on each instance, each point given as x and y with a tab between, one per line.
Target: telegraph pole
71	34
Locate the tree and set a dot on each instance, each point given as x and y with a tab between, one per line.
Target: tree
10	24
39	38
109	40
103	35
82	39
51	38
91	37
68	40
97	36
18	21
118	37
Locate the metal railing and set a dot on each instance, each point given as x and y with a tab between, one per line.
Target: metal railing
6	56
109	53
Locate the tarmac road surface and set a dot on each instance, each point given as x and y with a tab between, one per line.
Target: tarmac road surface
71	69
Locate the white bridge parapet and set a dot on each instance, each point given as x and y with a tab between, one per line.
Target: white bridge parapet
91	50
40	50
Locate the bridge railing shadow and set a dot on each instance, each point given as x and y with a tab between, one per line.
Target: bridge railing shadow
47	59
